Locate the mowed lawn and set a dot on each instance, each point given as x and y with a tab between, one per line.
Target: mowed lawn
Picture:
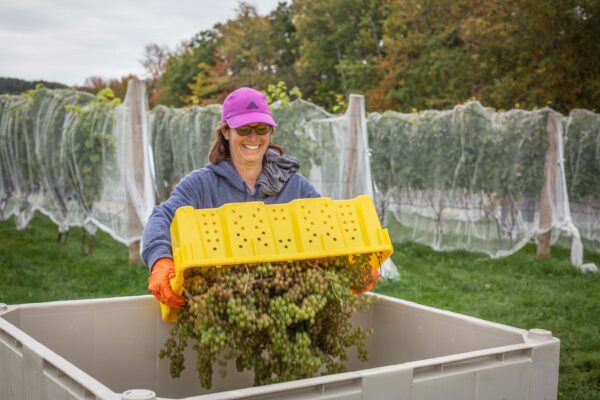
35	267
519	290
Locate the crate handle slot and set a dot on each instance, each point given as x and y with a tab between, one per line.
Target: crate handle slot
12	343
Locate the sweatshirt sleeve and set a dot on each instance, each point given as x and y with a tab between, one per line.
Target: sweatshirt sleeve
156	242
307	190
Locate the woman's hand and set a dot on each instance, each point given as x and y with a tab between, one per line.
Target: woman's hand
159	283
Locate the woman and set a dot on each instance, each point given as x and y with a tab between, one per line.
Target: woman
244	166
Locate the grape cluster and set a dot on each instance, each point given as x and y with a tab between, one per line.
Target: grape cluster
284	321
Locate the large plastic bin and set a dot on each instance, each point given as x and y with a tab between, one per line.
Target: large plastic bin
102	348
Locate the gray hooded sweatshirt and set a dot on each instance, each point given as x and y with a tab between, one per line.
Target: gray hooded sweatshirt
215	185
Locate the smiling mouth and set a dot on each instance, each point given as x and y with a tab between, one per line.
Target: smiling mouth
249	147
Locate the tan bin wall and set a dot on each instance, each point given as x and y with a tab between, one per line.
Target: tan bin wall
104	348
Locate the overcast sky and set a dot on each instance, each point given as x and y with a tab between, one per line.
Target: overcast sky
67	41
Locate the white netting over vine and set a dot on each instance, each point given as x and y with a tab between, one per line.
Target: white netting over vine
582	168
127	196
471	178
69	155
180	138
38	171
468	178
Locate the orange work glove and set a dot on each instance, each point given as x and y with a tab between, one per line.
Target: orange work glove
159	283
373	279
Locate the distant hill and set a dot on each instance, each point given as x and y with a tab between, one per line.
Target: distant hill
16	86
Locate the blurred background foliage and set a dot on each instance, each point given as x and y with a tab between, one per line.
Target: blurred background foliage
404	55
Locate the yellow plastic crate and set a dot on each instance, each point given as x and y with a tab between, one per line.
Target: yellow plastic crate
253	232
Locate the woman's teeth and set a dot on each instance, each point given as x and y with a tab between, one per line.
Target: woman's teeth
251	147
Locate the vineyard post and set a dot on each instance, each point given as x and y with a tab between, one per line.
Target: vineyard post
136	159
356	105
549	187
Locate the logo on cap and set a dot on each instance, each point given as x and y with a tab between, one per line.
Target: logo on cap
251	105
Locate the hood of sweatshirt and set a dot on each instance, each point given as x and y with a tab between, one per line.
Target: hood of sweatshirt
226	171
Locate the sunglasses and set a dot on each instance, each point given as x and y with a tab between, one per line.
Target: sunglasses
259	129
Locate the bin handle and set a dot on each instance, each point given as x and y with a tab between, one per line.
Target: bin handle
11	342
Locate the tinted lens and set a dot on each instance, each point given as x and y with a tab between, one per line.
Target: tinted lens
243	130
259	129
262	129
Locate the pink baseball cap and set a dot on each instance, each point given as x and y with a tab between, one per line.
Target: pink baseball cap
246	106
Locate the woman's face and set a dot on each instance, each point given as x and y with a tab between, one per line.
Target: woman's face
247	150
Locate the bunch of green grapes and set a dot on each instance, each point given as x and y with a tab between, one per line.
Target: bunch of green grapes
283	321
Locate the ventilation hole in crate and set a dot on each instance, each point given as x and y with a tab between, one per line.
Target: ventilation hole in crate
245	240
216	231
260	221
258	239
237	234
256	227
335	239
354	229
289	240
243	228
352	238
206	223
263	232
346	230
266	244
314	234
240	216
208	240
283	218
207	232
280	241
212	214
310	241
214	223
342	213
216	240
214	248
275	218
301	206
286	246
241	246
233	211
235	222
327	233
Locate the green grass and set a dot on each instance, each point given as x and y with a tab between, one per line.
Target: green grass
519	290
34	267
